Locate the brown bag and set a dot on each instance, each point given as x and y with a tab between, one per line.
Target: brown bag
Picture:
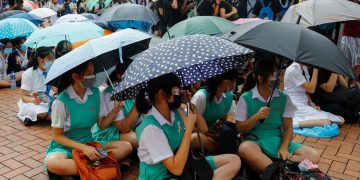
108	167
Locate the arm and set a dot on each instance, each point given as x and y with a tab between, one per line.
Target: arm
330	85
311	86
342	81
224	15
126	124
104	122
247	125
286	139
28	99
174	5
216	8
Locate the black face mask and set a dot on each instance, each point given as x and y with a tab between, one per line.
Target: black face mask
176	104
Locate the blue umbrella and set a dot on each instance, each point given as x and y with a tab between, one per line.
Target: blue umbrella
193	58
32	18
134	24
14	27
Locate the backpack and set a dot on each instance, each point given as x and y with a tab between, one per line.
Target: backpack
266	12
228	139
67	9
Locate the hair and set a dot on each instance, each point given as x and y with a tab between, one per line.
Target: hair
5	41
40	52
214	82
16	2
62	48
66	79
17	41
264	66
120	69
165	82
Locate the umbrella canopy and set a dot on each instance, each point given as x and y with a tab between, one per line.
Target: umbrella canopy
73	32
32	18
245	20
43	12
69	18
293	42
316	12
103	51
209	25
14	27
29	5
91	16
129	11
9	13
90	4
193	58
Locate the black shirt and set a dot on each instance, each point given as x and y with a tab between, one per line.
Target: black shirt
175	15
240	5
274	6
205	8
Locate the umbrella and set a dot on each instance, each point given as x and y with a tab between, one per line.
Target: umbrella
316	12
32	18
193	58
125	12
293	42
245	20
90	4
91	16
43	12
14	27
73	32
29	5
69	18
9	13
134	24
103	51
209	25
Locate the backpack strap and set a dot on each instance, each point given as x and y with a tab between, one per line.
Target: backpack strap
262	3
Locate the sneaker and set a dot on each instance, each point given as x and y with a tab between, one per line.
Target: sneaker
27	122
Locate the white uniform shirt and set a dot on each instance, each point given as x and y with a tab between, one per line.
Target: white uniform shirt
33	80
3	66
293	80
153	144
199	100
241	109
60	117
107	106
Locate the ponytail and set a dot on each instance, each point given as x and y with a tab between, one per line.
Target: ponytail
250	82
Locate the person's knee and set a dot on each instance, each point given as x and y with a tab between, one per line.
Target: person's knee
313	155
245	148
235	161
52	164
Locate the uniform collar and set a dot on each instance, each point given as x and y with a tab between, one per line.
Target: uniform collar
256	94
162	121
72	94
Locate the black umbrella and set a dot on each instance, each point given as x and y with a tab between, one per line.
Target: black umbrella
292	42
192	58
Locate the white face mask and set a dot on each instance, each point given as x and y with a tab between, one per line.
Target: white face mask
273	82
89	81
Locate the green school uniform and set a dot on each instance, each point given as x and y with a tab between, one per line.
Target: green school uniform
174	135
214	111
270	131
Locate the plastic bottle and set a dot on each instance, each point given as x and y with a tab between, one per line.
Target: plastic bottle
13	80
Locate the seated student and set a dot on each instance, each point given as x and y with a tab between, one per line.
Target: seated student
74	113
213	103
298	86
19	57
33	103
123	122
270	128
164	135
62	48
5	50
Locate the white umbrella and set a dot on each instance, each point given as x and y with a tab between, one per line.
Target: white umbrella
69	18
43	12
316	12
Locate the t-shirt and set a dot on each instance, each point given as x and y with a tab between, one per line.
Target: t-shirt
323	77
240	5
205	8
175	15
274	6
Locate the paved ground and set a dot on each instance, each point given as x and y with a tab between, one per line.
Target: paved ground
22	149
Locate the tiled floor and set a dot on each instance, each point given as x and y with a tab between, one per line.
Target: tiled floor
22	149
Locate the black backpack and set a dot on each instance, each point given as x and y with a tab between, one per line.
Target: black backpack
67	9
228	139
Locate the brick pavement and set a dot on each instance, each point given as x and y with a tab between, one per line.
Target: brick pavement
22	149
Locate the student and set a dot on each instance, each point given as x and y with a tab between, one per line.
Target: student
165	129
19	57
125	120
98	7
6	49
298	86
33	104
213	103
62	48
74	113
269	129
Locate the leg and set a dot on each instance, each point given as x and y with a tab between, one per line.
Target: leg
253	155
227	166
131	138
314	123
306	152
44	116
208	143
5	83
60	164
121	149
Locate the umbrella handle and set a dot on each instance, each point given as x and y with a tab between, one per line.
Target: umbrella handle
298	20
107	75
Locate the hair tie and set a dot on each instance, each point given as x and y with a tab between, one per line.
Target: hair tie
146	95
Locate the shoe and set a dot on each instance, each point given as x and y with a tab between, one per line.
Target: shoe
27	122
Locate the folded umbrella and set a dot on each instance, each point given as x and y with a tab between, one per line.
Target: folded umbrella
69	18
14	27
32	18
193	58
43	12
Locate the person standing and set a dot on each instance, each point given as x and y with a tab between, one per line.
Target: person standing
68	7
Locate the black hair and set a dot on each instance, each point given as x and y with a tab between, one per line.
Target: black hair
165	82
214	82
62	48
14	2
120	69
5	41
66	79
40	52
264	66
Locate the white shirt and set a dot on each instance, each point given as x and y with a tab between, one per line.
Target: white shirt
293	80
106	107
199	100
60	116
241	109
153	144
33	81
3	66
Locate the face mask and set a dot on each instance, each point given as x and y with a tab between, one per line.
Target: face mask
176	104
89	81
273	83
23	47
48	65
7	51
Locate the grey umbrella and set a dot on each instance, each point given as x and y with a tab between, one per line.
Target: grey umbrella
316	12
125	12
9	13
292	42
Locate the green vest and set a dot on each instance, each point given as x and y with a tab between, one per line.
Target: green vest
272	126
214	111
174	135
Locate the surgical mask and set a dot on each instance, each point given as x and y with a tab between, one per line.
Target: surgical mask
23	47
7	51
48	65
176	104
273	82
89	81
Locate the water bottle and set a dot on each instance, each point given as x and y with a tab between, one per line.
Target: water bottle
13	80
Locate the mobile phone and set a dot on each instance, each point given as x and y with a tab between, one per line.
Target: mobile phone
43	97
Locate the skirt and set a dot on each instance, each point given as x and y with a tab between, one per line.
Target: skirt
30	110
305	112
351	48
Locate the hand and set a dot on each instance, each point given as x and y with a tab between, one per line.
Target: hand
37	101
284	154
18	60
189	121
263	113
91	153
234	10
217	1
118	105
185	96
316	107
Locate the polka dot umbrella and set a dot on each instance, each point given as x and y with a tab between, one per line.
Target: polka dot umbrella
15	27
192	58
